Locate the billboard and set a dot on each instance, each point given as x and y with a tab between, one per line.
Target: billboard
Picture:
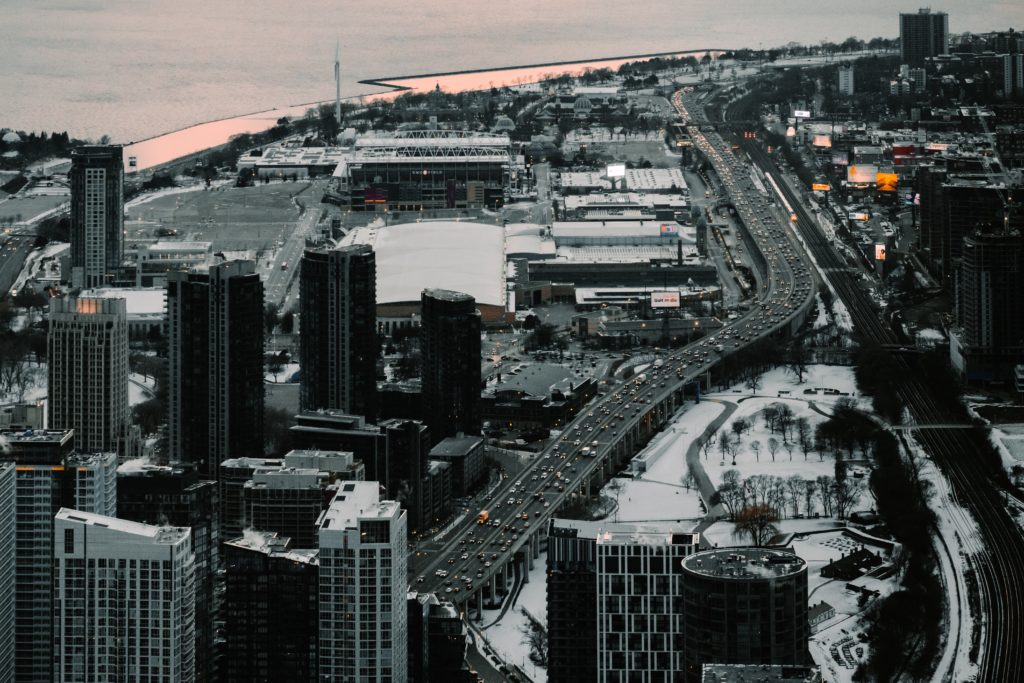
822	141
879	252
857	216
668	230
821	187
861	174
616	170
664	299
801	113
886	182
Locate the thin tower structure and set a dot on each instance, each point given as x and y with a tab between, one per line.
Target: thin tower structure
337	83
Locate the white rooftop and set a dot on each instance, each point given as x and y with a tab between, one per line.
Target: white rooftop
143	301
356	500
168	535
460	256
636	179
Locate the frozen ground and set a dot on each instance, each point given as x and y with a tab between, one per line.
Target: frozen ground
140	389
39	262
506	636
288	370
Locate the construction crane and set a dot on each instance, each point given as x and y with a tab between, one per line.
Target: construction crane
997	180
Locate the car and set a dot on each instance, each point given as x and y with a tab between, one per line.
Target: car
487	564
465	556
420	580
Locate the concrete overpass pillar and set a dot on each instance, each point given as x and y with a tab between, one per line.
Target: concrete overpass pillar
480	604
527	564
494	587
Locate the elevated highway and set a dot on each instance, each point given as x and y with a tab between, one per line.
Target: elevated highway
474	561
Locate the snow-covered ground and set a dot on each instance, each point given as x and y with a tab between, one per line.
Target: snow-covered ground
39	263
283	377
506	636
140	389
35	385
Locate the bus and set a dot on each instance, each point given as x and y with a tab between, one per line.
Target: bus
483	517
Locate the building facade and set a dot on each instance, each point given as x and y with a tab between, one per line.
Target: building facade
123	601
923	34
87	349
176	495
363	582
450	340
744	606
271	624
846	85
338	325
8	519
49	475
97	214
215	370
287	501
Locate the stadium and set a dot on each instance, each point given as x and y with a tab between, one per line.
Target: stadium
462	256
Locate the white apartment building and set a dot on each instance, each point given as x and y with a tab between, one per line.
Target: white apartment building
363	588
846	86
87	348
123	601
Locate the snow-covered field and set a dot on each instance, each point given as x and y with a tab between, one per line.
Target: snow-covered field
506	636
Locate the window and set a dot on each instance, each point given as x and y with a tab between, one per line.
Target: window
69	541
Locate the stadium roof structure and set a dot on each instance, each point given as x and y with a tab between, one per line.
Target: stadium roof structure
432	143
462	256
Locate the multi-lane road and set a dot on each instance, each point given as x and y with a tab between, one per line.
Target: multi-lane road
597	441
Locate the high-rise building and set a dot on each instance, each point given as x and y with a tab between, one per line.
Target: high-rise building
923	34
451	363
8	502
287	501
49	476
846	87
231	477
989	339
336	431
215	371
363	587
743	606
87	349
175	495
271	620
338	326
97	214
614	595
123	601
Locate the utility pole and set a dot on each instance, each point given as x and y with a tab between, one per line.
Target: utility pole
337	84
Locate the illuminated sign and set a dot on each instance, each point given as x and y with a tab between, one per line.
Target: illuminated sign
616	170
861	174
801	113
664	299
822	141
857	216
886	182
821	187
879	252
669	230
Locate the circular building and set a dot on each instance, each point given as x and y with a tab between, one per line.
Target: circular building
744	606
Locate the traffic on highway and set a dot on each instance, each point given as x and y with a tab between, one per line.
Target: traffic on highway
480	545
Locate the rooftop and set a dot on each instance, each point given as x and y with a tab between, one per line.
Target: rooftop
760	673
536	379
37	436
137	301
745	563
163	535
461	256
354	501
269	543
455	446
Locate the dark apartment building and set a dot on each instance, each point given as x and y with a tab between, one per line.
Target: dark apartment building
97	214
338	325
923	34
215	369
450	341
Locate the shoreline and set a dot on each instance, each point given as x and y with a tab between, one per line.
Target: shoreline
176	144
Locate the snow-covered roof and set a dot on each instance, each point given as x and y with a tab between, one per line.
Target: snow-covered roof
461	256
137	301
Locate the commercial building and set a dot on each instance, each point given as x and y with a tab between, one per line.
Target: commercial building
613	601
97	214
232	474
539	396
338	330
744	606
450	342
155	261
87	348
363	580
923	34
271	617
643	180
989	339
465	454
215	371
292	161
335	431
175	495
49	475
287	501
426	169
145	309
437	641
123	600
8	526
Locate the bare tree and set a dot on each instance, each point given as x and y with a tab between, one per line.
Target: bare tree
846	490
757	523
723	443
799	358
825	489
688	480
707	444
773	446
754	382
803	435
755	446
730	493
535	637
615	487
810	488
795	488
789	449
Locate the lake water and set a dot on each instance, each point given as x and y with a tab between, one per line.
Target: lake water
136	68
